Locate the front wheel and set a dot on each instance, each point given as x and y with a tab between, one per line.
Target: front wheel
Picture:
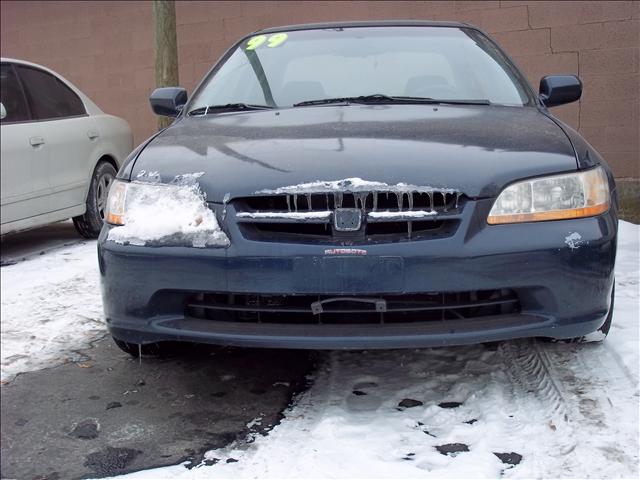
90	224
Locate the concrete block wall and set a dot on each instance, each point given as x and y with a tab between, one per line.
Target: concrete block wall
106	49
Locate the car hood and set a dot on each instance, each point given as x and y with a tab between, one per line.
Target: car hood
476	150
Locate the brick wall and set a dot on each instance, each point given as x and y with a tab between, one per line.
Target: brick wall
106	49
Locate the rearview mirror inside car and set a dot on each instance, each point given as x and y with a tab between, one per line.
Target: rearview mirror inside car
168	101
3	112
559	89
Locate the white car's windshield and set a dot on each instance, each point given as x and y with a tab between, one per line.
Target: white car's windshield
285	68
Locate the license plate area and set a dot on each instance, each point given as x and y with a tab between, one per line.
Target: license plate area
357	274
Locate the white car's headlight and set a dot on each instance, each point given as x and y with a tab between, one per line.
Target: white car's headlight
557	197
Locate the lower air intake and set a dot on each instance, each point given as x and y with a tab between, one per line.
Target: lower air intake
319	309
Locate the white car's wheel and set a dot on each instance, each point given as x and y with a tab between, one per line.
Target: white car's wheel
90	224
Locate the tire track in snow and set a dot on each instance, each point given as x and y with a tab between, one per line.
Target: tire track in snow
532	377
530	368
603	400
580	404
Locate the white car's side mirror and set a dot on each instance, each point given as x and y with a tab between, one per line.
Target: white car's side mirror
3	111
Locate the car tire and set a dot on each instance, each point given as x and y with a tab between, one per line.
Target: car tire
135	350
90	224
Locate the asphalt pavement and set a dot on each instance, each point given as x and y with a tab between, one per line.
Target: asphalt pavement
16	247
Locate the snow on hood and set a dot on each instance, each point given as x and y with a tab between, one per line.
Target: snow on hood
174	213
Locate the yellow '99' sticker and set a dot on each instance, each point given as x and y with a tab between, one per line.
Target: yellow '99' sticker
272	41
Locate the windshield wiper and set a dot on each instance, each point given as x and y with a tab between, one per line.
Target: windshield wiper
386	99
229	107
376	98
453	101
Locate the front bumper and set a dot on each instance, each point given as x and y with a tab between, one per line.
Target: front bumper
564	287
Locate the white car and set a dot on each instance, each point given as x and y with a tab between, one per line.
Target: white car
60	152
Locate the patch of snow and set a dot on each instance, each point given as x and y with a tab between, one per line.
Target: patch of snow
350	185
402	215
256	422
573	240
623	339
169	214
187	178
596	336
51	306
149	176
320	215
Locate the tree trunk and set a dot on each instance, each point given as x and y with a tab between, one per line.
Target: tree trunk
166	48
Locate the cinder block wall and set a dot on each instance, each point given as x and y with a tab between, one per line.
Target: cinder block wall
106	49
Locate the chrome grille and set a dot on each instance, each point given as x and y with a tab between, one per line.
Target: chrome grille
386	216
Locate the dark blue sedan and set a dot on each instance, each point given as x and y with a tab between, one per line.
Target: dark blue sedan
361	185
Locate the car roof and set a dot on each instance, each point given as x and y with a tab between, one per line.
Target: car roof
90	106
29	64
368	23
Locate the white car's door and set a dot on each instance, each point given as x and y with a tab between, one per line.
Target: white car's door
23	166
70	136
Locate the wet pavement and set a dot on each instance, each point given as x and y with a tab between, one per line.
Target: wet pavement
110	413
16	247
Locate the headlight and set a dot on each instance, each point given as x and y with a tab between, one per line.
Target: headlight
116	202
174	213
557	197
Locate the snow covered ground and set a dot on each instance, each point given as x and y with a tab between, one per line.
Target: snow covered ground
555	410
51	306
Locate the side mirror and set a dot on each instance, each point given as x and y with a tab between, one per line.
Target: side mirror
559	89
3	112
168	101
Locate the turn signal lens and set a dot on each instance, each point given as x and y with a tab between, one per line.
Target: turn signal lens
116	203
558	197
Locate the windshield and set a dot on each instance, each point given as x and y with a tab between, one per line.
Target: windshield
286	68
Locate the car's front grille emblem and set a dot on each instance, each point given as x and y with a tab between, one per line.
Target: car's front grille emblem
347	219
